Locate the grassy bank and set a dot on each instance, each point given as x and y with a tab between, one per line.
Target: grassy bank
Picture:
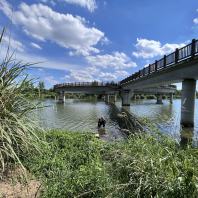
79	165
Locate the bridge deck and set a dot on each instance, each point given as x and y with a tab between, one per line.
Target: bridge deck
187	55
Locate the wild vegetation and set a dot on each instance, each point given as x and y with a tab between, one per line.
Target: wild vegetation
17	130
79	165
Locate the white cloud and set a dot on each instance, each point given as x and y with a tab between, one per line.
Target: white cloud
90	74
6	8
116	60
151	48
195	20
12	43
35	45
89	4
45	24
50	80
113	76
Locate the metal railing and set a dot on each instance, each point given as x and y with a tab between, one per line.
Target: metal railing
87	84
184	53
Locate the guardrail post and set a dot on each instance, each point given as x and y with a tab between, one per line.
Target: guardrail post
156	65
193	48
176	55
164	60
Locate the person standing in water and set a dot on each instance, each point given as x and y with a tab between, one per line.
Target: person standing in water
99	123
103	121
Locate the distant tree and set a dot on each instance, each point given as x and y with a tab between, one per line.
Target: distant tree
41	87
94	83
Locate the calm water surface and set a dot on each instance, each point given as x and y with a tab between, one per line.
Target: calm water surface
78	115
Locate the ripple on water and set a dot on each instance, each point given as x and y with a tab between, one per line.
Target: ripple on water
76	115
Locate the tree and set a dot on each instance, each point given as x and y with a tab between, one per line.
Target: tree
41	87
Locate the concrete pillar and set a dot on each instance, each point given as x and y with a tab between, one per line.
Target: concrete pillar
188	102
171	98
61	97
107	98
159	99
115	98
126	97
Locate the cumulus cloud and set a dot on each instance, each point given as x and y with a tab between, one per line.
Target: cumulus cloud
195	20
89	4
35	45
12	43
116	60
50	80
45	24
90	74
150	48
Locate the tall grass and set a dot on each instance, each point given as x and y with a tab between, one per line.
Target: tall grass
16	129
79	165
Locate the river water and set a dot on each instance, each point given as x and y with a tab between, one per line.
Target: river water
78	115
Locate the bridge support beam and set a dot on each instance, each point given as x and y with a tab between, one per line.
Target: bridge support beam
171	98
107	97
113	98
110	98
188	102
126	97
61	97
159	99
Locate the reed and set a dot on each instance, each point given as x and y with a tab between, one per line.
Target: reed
16	128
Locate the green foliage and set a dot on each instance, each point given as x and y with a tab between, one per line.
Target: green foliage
16	129
79	165
70	165
41	86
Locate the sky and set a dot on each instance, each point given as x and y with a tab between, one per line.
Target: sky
87	40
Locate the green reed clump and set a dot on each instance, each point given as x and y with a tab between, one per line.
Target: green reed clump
16	129
79	165
70	166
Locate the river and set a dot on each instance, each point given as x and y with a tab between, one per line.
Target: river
79	115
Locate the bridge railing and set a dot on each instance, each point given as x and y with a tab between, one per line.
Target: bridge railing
86	84
186	52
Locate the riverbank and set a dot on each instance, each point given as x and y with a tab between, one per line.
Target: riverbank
80	165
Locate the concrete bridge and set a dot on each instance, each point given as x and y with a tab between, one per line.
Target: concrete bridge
179	66
110	91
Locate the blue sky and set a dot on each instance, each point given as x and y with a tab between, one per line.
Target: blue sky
86	40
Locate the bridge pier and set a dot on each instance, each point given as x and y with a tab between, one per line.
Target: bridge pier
113	98
188	102
126	97
159	99
61	97
107	97
171	98
110	98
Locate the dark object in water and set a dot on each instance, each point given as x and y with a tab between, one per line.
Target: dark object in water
101	122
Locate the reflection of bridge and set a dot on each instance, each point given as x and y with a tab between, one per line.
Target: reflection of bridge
179	66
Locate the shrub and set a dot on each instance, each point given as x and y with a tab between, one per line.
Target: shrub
79	165
16	129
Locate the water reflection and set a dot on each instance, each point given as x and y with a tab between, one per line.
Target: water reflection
76	115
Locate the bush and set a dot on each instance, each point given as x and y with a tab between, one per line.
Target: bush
16	129
79	165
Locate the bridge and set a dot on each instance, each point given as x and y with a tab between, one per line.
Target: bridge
110	90
179	66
